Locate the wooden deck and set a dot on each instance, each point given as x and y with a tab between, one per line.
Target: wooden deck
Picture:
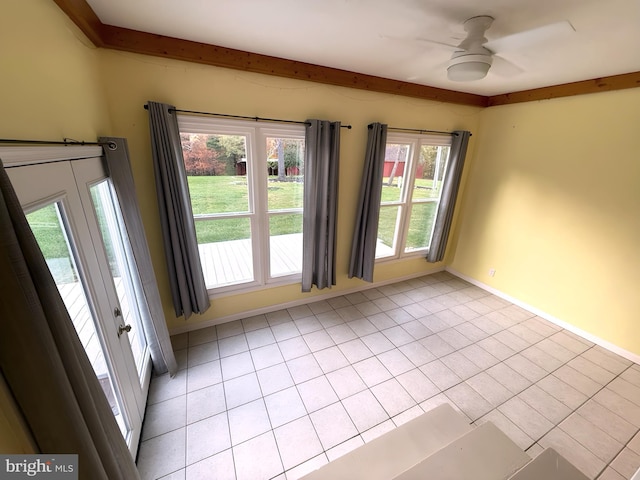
230	263
75	300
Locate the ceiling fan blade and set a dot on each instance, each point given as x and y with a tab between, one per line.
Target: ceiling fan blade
521	40
504	68
420	40
435	42
438	67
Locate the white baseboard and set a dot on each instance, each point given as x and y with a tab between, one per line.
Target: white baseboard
295	303
635	358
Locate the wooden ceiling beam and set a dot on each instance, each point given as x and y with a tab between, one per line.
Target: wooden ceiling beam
123	39
81	13
161	46
605	84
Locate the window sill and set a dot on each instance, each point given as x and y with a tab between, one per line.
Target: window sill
233	290
403	257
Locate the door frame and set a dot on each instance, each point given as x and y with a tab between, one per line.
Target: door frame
24	156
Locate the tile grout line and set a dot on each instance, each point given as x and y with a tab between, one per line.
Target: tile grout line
625	445
557	425
436	358
295	385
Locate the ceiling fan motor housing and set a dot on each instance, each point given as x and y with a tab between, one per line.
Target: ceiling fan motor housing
472	61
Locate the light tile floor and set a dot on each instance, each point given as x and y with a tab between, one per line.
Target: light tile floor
278	395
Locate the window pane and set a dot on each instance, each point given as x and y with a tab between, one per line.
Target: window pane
113	237
395	162
216	167
387	226
285	164
430	171
285	244
225	250
49	228
251	177
420	225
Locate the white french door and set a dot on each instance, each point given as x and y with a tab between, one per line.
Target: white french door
75	217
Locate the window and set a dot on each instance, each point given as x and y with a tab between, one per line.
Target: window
414	169
246	186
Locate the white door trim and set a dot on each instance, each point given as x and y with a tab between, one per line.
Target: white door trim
16	156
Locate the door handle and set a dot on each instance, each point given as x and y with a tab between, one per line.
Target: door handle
123	328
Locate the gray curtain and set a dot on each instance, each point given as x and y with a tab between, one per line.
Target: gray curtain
444	215
43	361
322	155
151	313
176	217
365	234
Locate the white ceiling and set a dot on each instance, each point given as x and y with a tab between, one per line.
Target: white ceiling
378	37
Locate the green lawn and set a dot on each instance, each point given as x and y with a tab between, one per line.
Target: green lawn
420	225
229	194
46	228
226	194
51	240
423	189
218	194
422	215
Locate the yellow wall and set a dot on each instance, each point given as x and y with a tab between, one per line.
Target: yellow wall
49	89
132	79
553	205
50	86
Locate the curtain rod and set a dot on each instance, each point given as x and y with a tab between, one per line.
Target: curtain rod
241	117
420	131
69	142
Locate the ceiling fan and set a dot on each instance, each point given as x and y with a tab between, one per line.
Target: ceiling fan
473	57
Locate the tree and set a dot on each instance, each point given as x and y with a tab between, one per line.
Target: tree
287	153
432	159
398	152
198	158
281	168
294	153
230	149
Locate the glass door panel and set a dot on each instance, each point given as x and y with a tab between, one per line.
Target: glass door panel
120	262
51	230
87	255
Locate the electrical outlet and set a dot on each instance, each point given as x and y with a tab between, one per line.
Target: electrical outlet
492	272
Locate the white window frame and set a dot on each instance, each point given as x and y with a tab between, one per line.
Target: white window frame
405	202
257	182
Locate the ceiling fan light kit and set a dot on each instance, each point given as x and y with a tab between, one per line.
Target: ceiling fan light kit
465	67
